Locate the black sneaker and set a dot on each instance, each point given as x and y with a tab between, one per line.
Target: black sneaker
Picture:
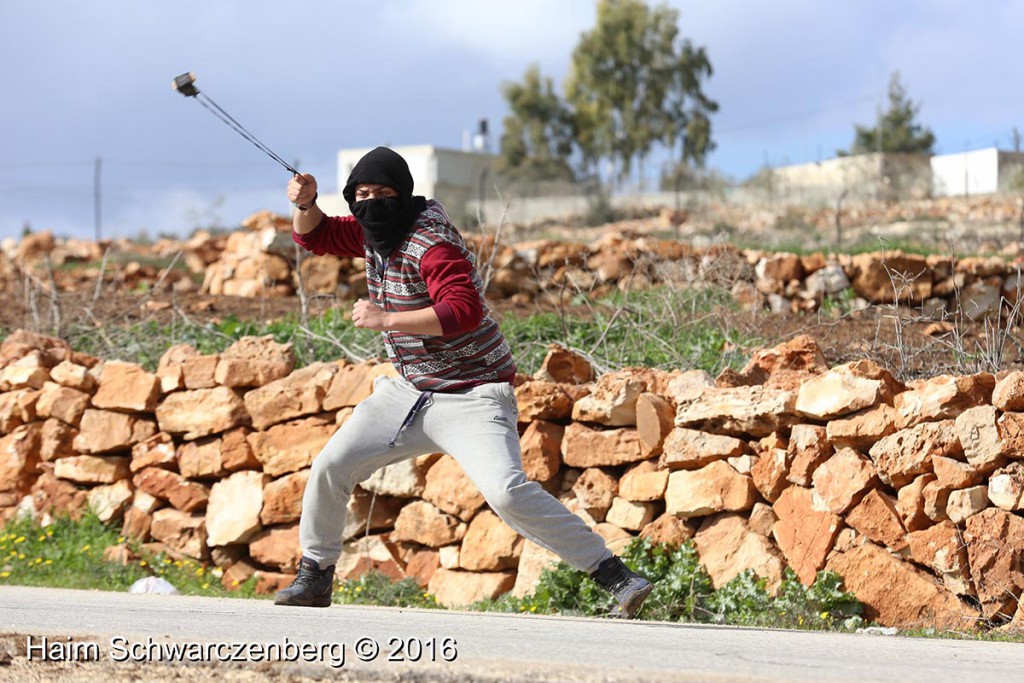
312	586
629	588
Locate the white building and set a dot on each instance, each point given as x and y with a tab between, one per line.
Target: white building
452	177
982	171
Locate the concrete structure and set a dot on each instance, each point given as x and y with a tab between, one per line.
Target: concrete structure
981	171
451	176
862	176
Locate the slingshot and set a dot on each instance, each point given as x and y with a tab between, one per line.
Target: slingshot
186	85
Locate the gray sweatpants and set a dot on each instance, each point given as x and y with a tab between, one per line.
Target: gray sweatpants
477	427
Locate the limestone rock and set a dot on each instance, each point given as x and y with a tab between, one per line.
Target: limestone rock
457	588
714	488
890	276
156	451
291	446
420	522
187	496
843	480
490	544
757	411
56	440
564	366
907	453
544	401
201	412
585	447
995	542
692	449
170	368
941	548
182	532
669	530
451	490
73	376
277	547
1008	394
862	430
405	479
350	385
689	386
980	438
955	474
644	482
595	489
845	389
808	448
804	533
727	547
771	473
630	515
895	593
52	496
253	362
66	404
126	387
369	553
367	512
199	372
877	518
104	431
297	395
911	503
92	469
19	457
962	504
655	418
233	512
941	398
541	445
282	498
532	562
17	408
612	401
1006	487
110	501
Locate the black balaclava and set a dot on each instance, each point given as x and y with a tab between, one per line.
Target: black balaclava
385	221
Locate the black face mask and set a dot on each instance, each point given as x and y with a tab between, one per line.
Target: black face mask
386	220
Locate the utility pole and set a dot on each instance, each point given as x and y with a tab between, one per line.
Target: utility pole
97	198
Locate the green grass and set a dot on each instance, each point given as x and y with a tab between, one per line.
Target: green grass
69	554
683	592
660	328
326	337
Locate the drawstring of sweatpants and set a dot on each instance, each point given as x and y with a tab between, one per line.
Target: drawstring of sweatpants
421	402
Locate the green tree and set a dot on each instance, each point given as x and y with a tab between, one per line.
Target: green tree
897	130
537	141
635	84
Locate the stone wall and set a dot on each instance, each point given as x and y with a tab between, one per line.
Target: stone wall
912	492
555	272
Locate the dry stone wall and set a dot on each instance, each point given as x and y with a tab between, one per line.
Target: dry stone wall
913	493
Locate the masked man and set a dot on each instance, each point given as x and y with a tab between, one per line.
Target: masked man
455	394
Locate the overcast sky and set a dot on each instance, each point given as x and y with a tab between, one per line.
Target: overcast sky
84	80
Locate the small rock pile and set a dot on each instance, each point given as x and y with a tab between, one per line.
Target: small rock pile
913	493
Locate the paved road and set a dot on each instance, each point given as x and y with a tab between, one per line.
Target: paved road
490	646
